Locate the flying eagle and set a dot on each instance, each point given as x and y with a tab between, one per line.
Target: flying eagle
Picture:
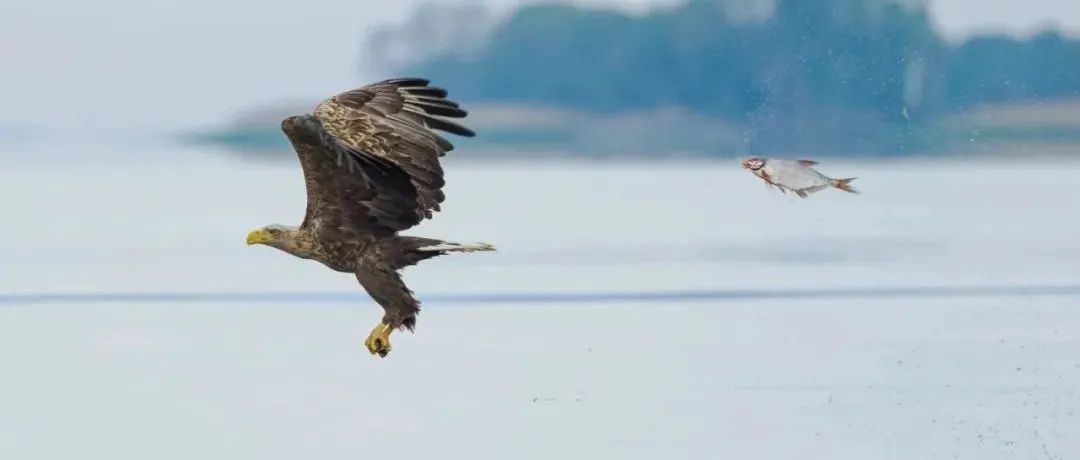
371	165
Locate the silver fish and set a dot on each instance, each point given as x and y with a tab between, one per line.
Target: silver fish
794	175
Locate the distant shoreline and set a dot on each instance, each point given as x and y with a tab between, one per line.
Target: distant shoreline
1026	130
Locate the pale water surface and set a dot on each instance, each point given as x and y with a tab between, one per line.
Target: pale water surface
748	364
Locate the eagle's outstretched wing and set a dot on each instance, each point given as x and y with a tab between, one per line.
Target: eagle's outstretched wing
371	159
349	197
393	120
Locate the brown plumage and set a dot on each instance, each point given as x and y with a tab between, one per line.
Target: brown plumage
371	167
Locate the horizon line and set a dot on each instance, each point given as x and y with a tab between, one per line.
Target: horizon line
83	297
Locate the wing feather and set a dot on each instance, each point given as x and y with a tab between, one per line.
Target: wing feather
395	120
370	157
350	196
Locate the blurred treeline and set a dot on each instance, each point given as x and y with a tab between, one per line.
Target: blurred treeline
725	77
874	55
824	74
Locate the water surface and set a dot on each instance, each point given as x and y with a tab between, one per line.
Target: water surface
633	311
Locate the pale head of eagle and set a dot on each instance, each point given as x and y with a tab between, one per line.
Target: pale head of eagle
283	237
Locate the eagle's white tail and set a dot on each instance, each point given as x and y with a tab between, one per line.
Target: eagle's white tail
458	247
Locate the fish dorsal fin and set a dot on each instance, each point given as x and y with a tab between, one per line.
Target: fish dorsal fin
807	162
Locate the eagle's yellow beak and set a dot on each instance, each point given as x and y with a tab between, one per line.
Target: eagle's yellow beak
258	237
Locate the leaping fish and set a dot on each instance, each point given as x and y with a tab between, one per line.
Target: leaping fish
794	175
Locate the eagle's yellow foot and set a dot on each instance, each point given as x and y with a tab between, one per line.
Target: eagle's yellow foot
378	342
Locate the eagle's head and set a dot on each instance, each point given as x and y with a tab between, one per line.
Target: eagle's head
271	235
285	238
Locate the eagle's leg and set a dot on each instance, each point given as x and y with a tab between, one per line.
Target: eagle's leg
378	342
378	274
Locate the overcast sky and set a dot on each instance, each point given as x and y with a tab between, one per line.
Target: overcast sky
148	64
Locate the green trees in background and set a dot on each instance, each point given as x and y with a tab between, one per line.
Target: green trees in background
1001	69
875	55
721	77
863	56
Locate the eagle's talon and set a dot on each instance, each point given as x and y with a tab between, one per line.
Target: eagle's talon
378	342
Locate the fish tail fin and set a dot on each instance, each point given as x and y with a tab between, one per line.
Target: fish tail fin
844	184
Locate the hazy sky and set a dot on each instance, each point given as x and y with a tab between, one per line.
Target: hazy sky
150	64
